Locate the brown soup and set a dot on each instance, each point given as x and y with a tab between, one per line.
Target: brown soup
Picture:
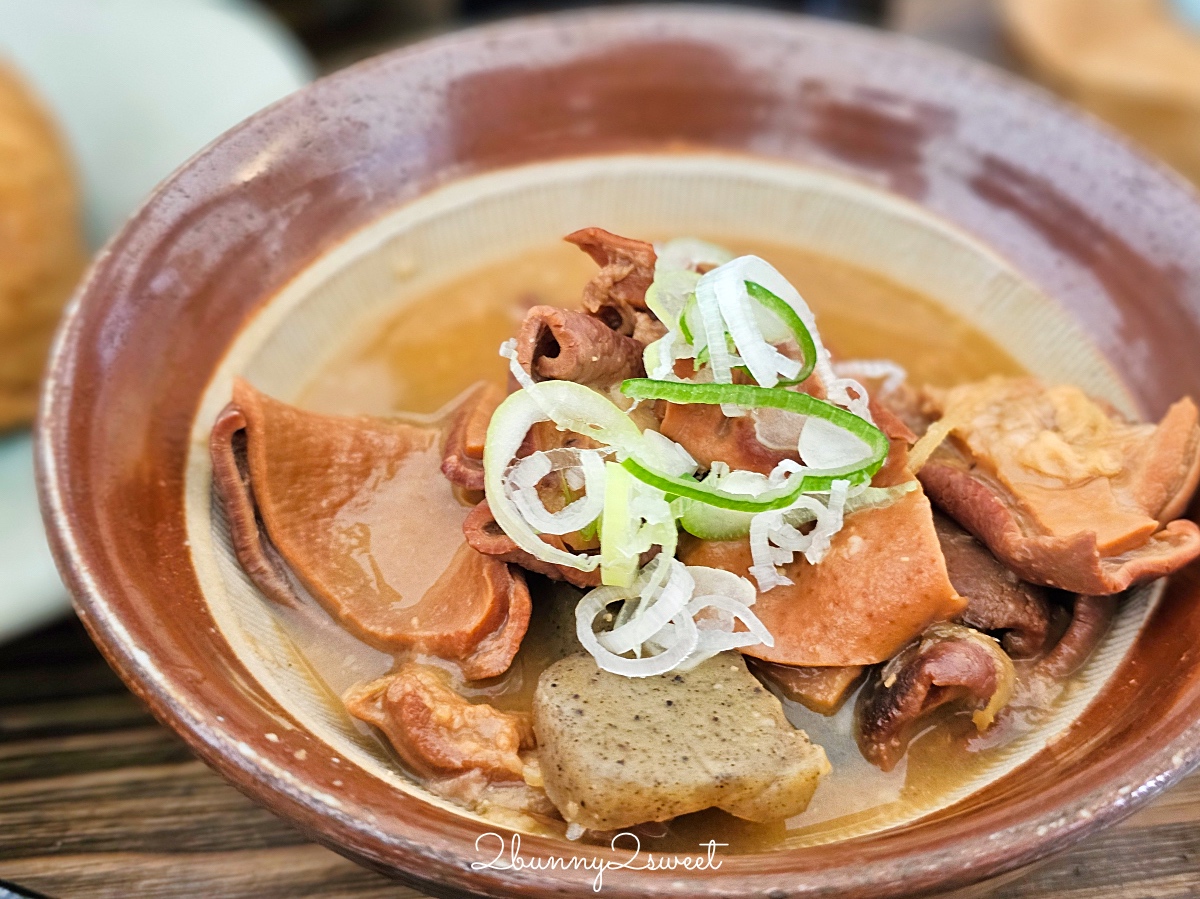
436	346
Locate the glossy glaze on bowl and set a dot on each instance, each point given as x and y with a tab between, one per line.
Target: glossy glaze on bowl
1105	234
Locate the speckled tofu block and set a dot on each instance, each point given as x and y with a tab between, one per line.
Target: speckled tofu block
619	751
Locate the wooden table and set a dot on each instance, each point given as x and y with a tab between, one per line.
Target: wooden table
97	801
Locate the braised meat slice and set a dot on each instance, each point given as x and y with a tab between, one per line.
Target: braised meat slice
355	513
436	731
462	457
486	536
895	468
252	546
1040	685
626	271
949	666
998	602
617	751
647	328
881	584
1091	617
710	436
558	344
518	805
1060	488
821	690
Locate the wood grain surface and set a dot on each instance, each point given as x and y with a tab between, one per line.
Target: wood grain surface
97	801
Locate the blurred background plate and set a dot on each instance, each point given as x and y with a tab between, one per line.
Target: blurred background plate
213	63
30	591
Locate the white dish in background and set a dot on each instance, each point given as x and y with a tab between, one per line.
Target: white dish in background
137	87
1189	10
30	591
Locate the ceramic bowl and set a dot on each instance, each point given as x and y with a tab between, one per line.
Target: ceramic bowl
948	175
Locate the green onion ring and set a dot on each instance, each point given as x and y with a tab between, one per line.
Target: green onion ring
786	314
752	397
781	310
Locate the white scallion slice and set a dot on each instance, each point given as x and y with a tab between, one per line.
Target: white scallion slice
824	444
653	612
719	582
572	407
669	293
672	625
619	555
774	541
728	284
508	350
885	370
852	395
688	254
590	608
671	457
828	524
708	304
523	477
762	329
636	518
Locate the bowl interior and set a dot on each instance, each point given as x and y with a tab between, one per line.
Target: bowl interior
410	252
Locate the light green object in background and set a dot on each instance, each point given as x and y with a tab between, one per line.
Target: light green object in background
30	591
141	85
137	86
1189	10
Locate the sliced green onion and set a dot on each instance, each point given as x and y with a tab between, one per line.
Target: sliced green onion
572	407
714	523
794	324
636	517
691	489
751	397
618	562
686	328
688	254
578	512
791	321
669	295
658	622
711	523
657	357
703	356
713	327
591	532
652	612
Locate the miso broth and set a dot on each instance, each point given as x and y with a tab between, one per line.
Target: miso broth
439	344
434	347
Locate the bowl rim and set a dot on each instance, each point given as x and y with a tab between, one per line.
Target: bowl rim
1128	780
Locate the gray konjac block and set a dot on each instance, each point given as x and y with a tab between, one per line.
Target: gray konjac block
618	751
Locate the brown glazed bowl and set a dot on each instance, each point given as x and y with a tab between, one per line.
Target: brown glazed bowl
1110	236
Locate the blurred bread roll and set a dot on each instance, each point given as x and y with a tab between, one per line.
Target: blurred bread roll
1132	62
41	244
